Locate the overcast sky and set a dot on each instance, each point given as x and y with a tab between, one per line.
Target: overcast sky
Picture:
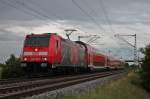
101	17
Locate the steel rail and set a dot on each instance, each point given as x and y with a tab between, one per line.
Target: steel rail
49	85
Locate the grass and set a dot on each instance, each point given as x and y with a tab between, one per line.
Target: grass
127	87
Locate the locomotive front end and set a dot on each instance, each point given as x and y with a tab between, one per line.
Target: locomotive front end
34	57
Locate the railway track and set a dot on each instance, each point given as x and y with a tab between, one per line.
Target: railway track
29	88
14	80
24	79
9	82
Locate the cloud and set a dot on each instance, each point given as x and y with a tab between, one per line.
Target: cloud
124	17
9	47
9	36
17	33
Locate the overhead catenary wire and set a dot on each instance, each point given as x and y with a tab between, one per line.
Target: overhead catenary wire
106	15
43	16
88	5
94	39
104	11
35	4
13	6
33	12
107	18
88	15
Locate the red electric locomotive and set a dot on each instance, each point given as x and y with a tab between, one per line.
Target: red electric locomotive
49	51
44	52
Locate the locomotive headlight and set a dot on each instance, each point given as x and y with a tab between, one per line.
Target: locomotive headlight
25	59
45	59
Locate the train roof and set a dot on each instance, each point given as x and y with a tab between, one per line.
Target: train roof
77	42
80	43
41	34
89	46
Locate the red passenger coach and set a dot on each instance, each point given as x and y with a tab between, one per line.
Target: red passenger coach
114	63
99	60
94	58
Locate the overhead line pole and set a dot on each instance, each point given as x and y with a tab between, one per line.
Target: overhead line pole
134	46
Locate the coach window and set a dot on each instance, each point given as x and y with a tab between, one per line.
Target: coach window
57	44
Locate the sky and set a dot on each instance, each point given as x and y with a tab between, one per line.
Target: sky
104	18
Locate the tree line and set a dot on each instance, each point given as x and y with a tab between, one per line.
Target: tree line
145	70
11	68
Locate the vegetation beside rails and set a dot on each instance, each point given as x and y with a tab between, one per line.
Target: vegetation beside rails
128	87
11	68
1	67
145	71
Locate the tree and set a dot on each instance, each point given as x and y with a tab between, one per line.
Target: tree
126	65
12	61
1	68
146	68
12	68
1	65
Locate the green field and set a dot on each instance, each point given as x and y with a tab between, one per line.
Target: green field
127	87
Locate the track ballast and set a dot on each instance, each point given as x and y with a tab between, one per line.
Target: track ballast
33	87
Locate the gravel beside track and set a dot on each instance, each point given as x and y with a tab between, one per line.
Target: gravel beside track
30	88
76	89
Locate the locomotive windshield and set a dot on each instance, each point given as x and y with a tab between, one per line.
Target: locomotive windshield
37	40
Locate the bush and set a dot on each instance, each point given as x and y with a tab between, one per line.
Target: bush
1	67
145	74
12	68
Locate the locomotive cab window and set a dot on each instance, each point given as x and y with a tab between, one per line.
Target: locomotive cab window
37	41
